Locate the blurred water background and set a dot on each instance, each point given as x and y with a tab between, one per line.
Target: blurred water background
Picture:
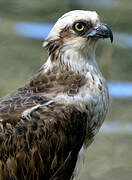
24	25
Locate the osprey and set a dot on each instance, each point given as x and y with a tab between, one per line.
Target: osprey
48	123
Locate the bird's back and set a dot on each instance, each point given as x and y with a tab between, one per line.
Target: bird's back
40	138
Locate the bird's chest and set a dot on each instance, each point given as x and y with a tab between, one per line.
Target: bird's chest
91	97
95	105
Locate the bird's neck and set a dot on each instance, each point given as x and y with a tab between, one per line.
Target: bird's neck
78	61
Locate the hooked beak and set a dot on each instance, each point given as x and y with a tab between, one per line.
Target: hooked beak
101	31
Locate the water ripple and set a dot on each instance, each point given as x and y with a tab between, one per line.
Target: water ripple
116	127
120	89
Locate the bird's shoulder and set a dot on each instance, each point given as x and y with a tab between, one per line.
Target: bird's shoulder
57	80
42	87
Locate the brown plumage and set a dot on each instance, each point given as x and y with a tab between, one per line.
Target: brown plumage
44	124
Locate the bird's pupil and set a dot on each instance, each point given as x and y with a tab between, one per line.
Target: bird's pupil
79	26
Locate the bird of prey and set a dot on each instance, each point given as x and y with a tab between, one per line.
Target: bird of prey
46	125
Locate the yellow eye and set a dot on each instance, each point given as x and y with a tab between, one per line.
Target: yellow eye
79	27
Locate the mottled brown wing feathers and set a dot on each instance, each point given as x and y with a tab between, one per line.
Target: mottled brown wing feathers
14	104
43	145
65	171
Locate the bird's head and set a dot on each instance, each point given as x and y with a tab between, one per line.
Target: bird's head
78	31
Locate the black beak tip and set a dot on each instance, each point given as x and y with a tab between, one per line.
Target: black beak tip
109	31
111	38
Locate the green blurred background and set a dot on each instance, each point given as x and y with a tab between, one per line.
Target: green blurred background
109	157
